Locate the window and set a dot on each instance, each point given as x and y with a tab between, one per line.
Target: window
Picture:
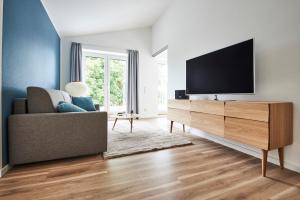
117	81
94	78
105	74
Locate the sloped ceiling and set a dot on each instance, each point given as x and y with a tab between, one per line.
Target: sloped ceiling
80	17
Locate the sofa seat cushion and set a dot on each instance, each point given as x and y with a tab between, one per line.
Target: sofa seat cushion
63	107
85	103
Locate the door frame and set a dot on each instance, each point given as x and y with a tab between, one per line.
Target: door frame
156	57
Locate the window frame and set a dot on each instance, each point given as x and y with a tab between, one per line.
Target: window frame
106	57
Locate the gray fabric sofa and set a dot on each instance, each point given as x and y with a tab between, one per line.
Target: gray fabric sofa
42	134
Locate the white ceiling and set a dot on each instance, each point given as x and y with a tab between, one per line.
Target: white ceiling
79	17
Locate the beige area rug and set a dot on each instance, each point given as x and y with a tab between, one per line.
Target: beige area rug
145	137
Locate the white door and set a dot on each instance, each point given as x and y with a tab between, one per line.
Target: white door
106	77
162	97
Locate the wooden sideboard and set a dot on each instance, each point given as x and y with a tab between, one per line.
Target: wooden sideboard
265	125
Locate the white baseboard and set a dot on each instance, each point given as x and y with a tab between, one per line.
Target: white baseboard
4	170
245	149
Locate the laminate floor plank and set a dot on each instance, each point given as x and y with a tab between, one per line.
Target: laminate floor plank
205	170
161	174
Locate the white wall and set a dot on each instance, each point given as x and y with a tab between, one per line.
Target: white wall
138	39
194	27
1	22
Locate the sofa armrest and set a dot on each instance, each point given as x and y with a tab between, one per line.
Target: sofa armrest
48	136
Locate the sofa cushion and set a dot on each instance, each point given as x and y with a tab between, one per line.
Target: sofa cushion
42	100
85	103
68	107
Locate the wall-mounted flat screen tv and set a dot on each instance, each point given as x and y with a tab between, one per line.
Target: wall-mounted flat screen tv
226	71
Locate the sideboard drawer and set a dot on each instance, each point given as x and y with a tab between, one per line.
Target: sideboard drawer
207	106
250	132
181	116
247	110
179	104
210	123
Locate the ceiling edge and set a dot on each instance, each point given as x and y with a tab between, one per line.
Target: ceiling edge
52	21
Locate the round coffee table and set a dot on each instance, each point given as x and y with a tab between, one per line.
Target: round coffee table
129	117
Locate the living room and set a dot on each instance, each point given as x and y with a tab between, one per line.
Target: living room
91	90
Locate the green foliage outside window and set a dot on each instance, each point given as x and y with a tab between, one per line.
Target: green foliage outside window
94	78
116	82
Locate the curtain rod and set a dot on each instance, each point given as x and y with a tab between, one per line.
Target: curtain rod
160	51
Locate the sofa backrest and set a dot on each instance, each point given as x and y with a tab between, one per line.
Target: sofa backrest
40	100
20	106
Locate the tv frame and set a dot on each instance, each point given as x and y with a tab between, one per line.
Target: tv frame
254	78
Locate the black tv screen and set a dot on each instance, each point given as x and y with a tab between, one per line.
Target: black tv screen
228	70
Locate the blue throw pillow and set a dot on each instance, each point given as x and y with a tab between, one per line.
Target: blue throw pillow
85	103
63	107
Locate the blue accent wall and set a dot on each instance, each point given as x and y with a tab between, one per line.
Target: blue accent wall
31	54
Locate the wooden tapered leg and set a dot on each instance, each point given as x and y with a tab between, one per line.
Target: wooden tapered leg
183	127
280	153
115	123
264	162
131	121
171	128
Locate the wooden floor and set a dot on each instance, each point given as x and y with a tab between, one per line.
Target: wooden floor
205	170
